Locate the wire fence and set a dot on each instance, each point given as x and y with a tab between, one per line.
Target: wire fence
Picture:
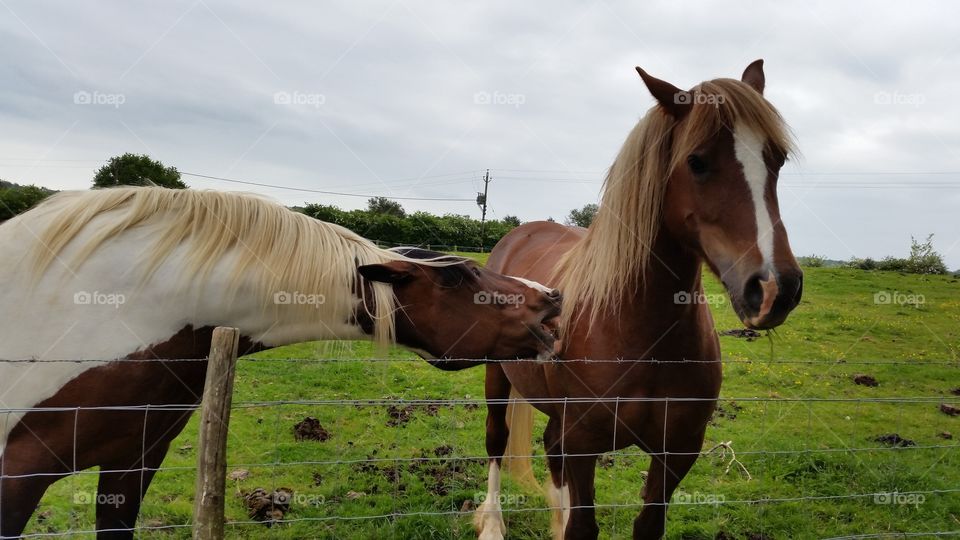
745	480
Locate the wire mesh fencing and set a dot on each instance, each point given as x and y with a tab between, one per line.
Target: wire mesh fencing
389	447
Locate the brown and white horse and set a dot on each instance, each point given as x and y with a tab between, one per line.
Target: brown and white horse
694	182
101	288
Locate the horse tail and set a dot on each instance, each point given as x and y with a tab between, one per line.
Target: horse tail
517	457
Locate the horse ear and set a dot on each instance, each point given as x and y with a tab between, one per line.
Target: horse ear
676	102
391	272
753	76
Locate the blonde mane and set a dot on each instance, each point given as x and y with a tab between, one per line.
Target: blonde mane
279	249
612	260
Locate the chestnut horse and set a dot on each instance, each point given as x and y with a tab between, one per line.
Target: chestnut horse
103	290
694	183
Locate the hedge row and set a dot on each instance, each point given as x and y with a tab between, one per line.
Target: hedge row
419	228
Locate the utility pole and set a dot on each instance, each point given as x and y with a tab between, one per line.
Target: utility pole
482	203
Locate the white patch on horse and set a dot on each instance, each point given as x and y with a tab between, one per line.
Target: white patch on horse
559	500
748	147
534	285
49	323
488	519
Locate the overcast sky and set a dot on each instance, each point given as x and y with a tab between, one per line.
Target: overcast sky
415	99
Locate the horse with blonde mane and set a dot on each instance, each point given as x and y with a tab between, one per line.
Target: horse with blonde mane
694	183
110	298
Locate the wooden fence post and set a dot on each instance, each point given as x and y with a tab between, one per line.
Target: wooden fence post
208	503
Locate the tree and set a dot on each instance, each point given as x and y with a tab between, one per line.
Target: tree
137	170
383	205
582	217
511	221
16	199
924	259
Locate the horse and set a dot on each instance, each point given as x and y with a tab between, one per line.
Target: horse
110	298
695	182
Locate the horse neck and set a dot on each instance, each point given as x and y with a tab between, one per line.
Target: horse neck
650	320
147	314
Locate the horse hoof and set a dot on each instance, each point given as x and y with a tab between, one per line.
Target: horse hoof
489	525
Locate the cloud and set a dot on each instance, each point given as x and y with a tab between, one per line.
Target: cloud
409	88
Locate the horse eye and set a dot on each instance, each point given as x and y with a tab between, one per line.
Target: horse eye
697	164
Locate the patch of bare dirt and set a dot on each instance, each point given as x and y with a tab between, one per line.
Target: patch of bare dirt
948	409
744	333
894	439
267	507
309	429
865	380
727	409
400	415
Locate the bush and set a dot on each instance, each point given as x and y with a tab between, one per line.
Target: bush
16	199
420	228
582	217
893	264
861	264
811	261
923	259
137	170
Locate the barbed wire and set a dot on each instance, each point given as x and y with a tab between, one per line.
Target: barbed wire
520	510
376	360
483	458
383	402
453	402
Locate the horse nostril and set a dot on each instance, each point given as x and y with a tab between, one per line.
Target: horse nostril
753	292
554	294
795	284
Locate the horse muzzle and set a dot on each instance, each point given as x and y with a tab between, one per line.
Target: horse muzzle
766	298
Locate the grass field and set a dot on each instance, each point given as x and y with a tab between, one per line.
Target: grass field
805	432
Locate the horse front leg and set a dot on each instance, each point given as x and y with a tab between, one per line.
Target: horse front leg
488	519
32	460
571	491
667	469
20	493
120	491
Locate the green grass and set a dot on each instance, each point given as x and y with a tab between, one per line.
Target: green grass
794	450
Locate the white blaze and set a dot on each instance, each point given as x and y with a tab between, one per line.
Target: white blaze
748	147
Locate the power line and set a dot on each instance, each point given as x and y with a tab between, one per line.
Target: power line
794	173
818	185
275	186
